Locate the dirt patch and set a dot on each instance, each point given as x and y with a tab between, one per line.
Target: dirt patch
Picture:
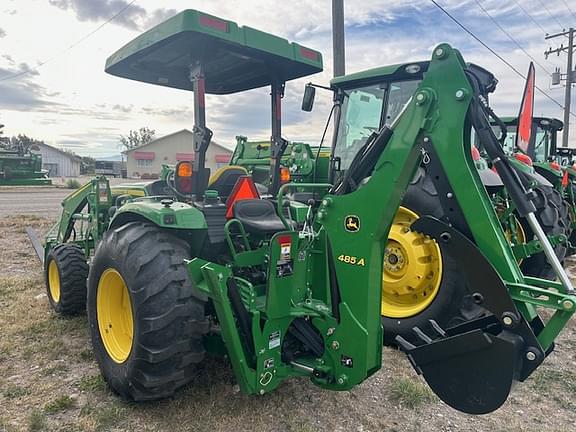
50	381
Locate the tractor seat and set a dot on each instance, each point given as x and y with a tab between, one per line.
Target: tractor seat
258	216
224	179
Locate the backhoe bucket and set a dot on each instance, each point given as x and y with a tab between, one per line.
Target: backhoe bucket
472	371
472	366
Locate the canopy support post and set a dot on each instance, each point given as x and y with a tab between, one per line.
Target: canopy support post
201	134
277	143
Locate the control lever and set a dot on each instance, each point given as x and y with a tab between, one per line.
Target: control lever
307	229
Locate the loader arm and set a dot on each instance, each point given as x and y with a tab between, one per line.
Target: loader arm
87	205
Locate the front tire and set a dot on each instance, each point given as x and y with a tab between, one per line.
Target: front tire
146	319
65	272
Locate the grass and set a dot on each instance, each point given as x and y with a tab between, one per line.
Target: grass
94	383
86	355
410	393
37	421
109	416
61	403
15	391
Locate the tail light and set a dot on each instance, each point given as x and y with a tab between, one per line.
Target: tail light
555	165
183	178
284	175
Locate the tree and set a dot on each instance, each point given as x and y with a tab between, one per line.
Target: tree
3	139
21	143
137	138
87	165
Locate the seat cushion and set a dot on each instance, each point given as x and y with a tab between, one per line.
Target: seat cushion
258	216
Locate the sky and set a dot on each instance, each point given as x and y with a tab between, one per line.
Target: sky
52	54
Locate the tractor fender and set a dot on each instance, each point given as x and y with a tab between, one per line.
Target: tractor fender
166	214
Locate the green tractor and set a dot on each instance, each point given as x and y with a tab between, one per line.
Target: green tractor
537	160
286	288
19	166
421	281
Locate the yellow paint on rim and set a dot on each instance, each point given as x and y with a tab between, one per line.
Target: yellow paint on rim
114	315
412	269
54	281
520	236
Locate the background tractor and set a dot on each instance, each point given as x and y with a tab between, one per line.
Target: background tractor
289	288
19	165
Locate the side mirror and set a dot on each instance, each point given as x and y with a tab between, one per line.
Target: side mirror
308	99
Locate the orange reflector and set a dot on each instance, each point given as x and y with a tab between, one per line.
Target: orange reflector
555	165
525	159
565	180
243	189
284	175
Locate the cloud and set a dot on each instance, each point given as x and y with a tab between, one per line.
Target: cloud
22	94
2	33
133	17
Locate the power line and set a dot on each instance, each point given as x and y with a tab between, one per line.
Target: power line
79	41
569	9
511	38
562	26
530	16
502	59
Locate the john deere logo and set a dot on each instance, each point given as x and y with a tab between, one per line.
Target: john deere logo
352	223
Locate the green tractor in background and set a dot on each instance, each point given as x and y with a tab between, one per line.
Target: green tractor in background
20	166
554	164
555	212
290	283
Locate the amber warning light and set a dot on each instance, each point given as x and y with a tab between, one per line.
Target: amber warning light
183	180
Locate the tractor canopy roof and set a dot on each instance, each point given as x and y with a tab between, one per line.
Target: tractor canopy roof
548	123
234	58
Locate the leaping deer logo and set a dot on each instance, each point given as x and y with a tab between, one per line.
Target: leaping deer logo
352	223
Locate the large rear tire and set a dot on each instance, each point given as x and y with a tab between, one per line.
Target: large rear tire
437	289
65	273
552	213
146	319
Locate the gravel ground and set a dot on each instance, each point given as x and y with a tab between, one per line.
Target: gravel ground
50	381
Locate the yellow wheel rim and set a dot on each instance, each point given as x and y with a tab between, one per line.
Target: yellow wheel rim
520	236
54	281
412	269
114	313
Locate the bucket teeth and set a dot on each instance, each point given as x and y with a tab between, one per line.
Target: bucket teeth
421	335
436	327
404	344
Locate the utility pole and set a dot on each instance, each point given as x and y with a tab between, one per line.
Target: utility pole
569	77
338	47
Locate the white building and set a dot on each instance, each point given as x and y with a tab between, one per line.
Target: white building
59	163
146	160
